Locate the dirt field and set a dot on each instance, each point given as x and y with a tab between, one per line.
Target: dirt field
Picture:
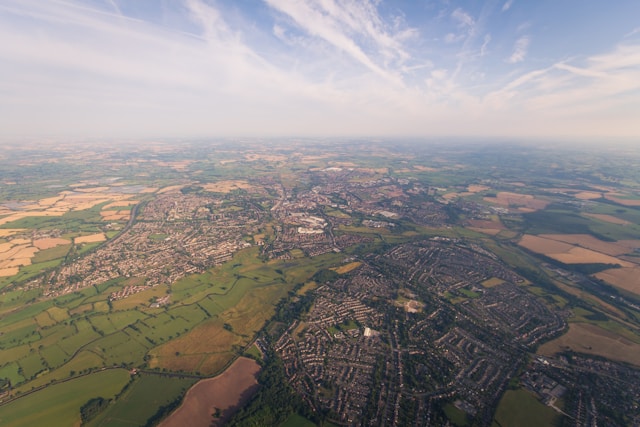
224	393
92	238
227	186
623	278
591	339
608	218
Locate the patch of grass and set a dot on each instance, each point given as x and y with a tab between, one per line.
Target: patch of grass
57	252
59	405
296	420
456	416
519	408
141	400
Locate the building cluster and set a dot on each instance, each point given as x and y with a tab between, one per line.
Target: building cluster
176	235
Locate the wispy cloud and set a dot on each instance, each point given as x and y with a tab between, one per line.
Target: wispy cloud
507	5
307	67
519	50
354	27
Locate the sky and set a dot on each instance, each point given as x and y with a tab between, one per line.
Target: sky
565	69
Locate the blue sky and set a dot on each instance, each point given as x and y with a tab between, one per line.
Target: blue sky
564	69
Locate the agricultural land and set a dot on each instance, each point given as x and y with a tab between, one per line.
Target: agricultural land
321	283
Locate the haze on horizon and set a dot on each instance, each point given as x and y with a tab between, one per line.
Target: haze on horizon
191	68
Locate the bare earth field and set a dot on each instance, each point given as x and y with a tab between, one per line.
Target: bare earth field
223	393
591	339
623	278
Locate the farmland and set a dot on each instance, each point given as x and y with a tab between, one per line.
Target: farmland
394	266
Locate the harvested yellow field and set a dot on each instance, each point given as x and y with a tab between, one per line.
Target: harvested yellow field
6	232
227	186
587	195
590	242
623	278
477	188
347	267
591	339
506	198
92	238
21	241
544	246
50	243
20	215
587	256
14	262
609	218
115	215
9	271
425	168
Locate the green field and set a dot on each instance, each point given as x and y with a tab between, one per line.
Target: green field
142	399
519	408
59	405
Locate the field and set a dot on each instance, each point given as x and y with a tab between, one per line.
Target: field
519	408
564	248
220	394
525	202
623	278
59	405
141	400
347	267
591	339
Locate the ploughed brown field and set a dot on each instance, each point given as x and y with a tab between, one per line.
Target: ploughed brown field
222	395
